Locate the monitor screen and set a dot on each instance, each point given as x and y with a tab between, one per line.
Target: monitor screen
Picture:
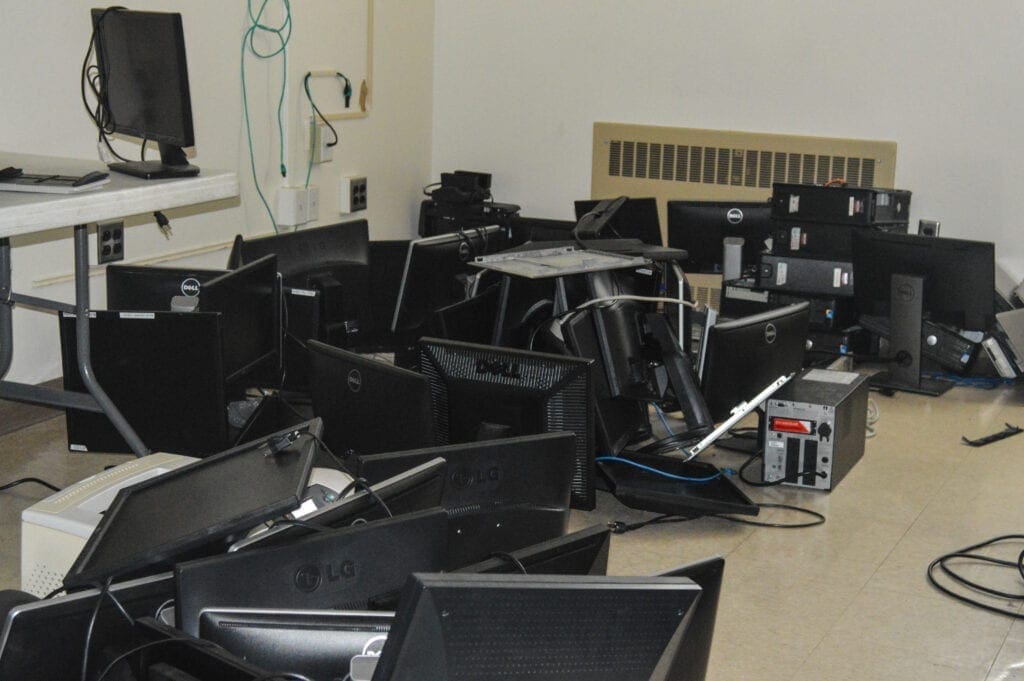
188	512
438	272
42	640
319	644
959	275
544	626
635	219
368	406
699	227
143	79
162	369
745	355
691	660
584	552
482	392
337	569
249	302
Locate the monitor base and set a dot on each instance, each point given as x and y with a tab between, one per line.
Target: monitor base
933	387
154	170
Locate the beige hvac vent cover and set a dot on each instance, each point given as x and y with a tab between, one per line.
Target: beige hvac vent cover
709	165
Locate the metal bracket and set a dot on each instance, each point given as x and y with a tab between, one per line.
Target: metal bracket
1009	431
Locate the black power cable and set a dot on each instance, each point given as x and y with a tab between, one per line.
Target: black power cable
968	554
22	481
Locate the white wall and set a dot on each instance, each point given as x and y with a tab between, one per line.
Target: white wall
42	44
518	85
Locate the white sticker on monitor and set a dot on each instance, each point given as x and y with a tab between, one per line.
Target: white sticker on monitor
781	270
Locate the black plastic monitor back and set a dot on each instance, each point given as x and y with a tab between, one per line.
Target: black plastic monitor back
469	320
636	219
584	552
691	661
338	569
746	355
43	640
305	253
368	406
547	626
699	227
433	268
186	513
163	370
144	75
148	288
318	644
539	229
959	275
482	392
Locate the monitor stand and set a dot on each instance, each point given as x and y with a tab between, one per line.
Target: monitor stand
172	163
905	318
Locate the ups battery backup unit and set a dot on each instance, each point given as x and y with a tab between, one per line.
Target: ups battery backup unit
814	428
840	205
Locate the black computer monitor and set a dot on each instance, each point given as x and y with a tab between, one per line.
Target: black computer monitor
959	275
691	660
523	229
143	87
188	512
635	219
699	227
438	272
340	569
164	371
149	288
43	640
745	355
319	644
543	626
249	302
584	552
416	489
368	406
470	320
481	392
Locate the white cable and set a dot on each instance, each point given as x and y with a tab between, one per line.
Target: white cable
642	299
874	413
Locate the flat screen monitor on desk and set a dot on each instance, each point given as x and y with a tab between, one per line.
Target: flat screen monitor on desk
636	219
699	227
142	87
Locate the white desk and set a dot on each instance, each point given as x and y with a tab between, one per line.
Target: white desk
25	213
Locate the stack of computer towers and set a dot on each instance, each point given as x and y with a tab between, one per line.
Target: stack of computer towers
811	257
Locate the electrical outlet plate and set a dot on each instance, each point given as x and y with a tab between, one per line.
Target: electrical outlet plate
291	206
109	242
353	194
319	137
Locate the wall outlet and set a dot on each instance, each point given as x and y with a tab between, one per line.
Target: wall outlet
291	206
109	242
320	135
312	203
352	194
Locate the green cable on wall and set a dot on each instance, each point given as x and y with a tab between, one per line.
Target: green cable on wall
283	33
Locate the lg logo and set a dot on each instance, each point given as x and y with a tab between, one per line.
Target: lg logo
308	578
465	477
190	287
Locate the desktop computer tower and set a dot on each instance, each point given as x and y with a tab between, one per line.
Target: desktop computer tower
839	205
804	275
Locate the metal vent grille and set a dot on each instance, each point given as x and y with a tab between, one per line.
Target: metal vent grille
563	383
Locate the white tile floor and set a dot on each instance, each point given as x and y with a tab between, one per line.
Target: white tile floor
846	600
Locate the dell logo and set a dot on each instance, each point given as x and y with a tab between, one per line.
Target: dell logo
498	367
465	477
770	333
190	287
464	251
354	380
734	216
905	292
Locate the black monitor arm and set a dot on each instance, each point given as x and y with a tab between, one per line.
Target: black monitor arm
680	377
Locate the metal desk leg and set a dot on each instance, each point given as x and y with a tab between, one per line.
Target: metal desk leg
6	308
82	338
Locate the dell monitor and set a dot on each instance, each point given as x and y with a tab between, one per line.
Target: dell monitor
745	355
699	227
368	406
148	288
553	627
249	302
635	219
579	553
338	569
691	661
142	86
438	272
482	392
188	512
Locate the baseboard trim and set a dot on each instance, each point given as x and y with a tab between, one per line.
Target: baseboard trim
17	415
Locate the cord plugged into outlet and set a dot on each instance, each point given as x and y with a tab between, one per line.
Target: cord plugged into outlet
352	194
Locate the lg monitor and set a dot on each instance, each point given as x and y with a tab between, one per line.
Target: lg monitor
745	355
249	302
699	227
142	86
188	512
339	569
481	392
368	406
438	272
635	219
579	553
543	626
691	661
